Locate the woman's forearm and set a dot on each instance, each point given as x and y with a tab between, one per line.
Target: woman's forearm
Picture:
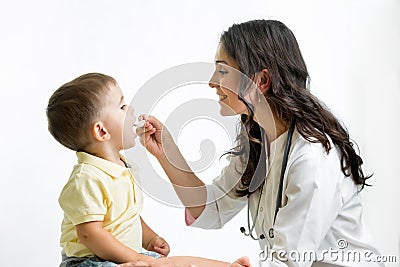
196	261
159	142
202	262
189	188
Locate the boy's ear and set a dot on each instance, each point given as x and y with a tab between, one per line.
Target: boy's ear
263	81
99	132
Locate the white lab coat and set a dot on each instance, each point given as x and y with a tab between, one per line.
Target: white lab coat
320	207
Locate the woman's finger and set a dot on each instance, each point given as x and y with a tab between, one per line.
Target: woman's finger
146	128
152	120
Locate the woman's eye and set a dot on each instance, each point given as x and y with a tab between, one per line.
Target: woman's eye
223	72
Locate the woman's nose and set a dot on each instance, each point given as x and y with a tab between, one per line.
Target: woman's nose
213	81
212	84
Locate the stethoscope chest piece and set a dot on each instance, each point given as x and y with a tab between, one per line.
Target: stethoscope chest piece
271	233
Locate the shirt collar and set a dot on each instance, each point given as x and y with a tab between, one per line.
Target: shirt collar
278	145
114	170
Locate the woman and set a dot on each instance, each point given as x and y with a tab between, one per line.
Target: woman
294	164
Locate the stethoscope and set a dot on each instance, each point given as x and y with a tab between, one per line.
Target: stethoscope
258	183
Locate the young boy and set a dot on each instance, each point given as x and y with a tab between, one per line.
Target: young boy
101	200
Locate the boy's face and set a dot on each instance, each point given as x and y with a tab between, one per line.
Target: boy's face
118	118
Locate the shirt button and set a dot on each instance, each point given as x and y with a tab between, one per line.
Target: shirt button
261	209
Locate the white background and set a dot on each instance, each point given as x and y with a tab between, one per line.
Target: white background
351	48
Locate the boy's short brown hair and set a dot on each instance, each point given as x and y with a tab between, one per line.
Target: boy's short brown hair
73	108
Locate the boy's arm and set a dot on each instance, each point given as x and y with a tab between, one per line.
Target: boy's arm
147	234
105	245
152	242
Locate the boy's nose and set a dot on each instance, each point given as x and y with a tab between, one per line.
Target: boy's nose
131	109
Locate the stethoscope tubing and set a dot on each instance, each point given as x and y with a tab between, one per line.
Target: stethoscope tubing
279	195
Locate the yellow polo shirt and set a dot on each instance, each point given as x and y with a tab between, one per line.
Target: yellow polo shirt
99	190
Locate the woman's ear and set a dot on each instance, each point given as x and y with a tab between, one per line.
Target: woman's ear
99	132
263	81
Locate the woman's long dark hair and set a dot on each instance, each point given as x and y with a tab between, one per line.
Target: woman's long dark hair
269	44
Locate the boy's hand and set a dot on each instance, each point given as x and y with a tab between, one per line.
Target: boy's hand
159	245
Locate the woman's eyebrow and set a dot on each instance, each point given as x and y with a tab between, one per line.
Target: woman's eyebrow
221	61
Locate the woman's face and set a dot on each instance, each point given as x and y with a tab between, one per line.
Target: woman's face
226	81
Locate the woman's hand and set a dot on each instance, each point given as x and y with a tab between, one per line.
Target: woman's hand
153	135
159	245
162	262
241	262
183	261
